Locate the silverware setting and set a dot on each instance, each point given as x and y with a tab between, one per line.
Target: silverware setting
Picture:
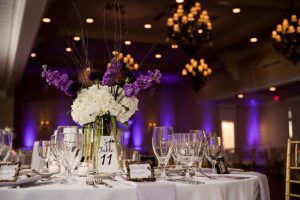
193	182
93	180
29	185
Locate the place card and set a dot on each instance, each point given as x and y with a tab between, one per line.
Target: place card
221	166
139	171
107	155
9	171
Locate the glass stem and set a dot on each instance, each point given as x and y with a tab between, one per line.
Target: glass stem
187	174
214	167
68	174
163	174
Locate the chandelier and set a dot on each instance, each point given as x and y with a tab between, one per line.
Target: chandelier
189	26
286	38
197	73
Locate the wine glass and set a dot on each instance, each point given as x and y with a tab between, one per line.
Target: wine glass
174	138
162	146
44	151
5	144
213	150
201	137
70	146
66	129
187	151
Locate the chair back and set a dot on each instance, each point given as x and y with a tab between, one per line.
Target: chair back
292	178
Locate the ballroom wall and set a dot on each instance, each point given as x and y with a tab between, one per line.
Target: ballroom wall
6	112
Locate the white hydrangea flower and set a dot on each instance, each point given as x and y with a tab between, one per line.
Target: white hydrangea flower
97	100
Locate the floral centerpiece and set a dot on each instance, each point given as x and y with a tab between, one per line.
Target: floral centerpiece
106	100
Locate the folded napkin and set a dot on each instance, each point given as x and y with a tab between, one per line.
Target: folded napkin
159	190
22	180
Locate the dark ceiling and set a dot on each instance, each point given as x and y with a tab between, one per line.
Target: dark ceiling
231	32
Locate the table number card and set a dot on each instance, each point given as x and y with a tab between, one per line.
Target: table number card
140	171
107	155
9	171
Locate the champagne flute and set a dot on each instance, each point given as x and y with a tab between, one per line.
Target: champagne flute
5	144
162	146
70	146
213	150
44	150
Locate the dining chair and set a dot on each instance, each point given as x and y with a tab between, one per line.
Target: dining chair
292	165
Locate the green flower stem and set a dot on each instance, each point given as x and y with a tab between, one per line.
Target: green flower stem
114	132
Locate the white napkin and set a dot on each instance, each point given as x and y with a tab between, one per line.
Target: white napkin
159	190
22	180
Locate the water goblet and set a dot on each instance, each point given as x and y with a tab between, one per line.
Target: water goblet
213	150
162	147
5	144
187	150
70	146
201	137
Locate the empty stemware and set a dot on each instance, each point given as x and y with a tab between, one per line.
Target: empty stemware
5	144
44	152
162	146
70	146
213	150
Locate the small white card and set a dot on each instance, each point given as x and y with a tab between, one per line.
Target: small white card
9	171
140	171
107	155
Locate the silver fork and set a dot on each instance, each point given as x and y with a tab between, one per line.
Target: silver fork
91	181
99	180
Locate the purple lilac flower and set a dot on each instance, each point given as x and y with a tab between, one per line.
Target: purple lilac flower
60	81
112	74
142	83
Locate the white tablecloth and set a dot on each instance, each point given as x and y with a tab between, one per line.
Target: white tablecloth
213	189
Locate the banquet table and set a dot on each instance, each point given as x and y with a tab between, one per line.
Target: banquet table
212	189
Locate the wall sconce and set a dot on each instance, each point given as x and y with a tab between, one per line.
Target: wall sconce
44	123
152	124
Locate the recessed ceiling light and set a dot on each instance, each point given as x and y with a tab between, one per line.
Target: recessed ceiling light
88	69
236	10
33	55
89	20
68	49
127	42
200	31
174	46
147	26
46	20
179	1
76	38
157	55
272	89
240	96
253	40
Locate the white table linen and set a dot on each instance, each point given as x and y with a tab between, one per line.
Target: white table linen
213	189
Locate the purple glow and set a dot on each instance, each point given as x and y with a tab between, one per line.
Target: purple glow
62	117
207	118
29	128
170	78
166	109
126	135
253	133
137	130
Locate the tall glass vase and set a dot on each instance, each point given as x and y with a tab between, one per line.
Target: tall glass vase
105	125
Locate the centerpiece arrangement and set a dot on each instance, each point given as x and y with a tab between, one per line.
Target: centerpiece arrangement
106	100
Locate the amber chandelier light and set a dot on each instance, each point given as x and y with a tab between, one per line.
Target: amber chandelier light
189	26
286	38
128	62
197	72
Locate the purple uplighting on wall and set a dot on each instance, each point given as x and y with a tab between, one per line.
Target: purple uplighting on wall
63	118
137	131
170	79
207	118
253	133
29	128
166	109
